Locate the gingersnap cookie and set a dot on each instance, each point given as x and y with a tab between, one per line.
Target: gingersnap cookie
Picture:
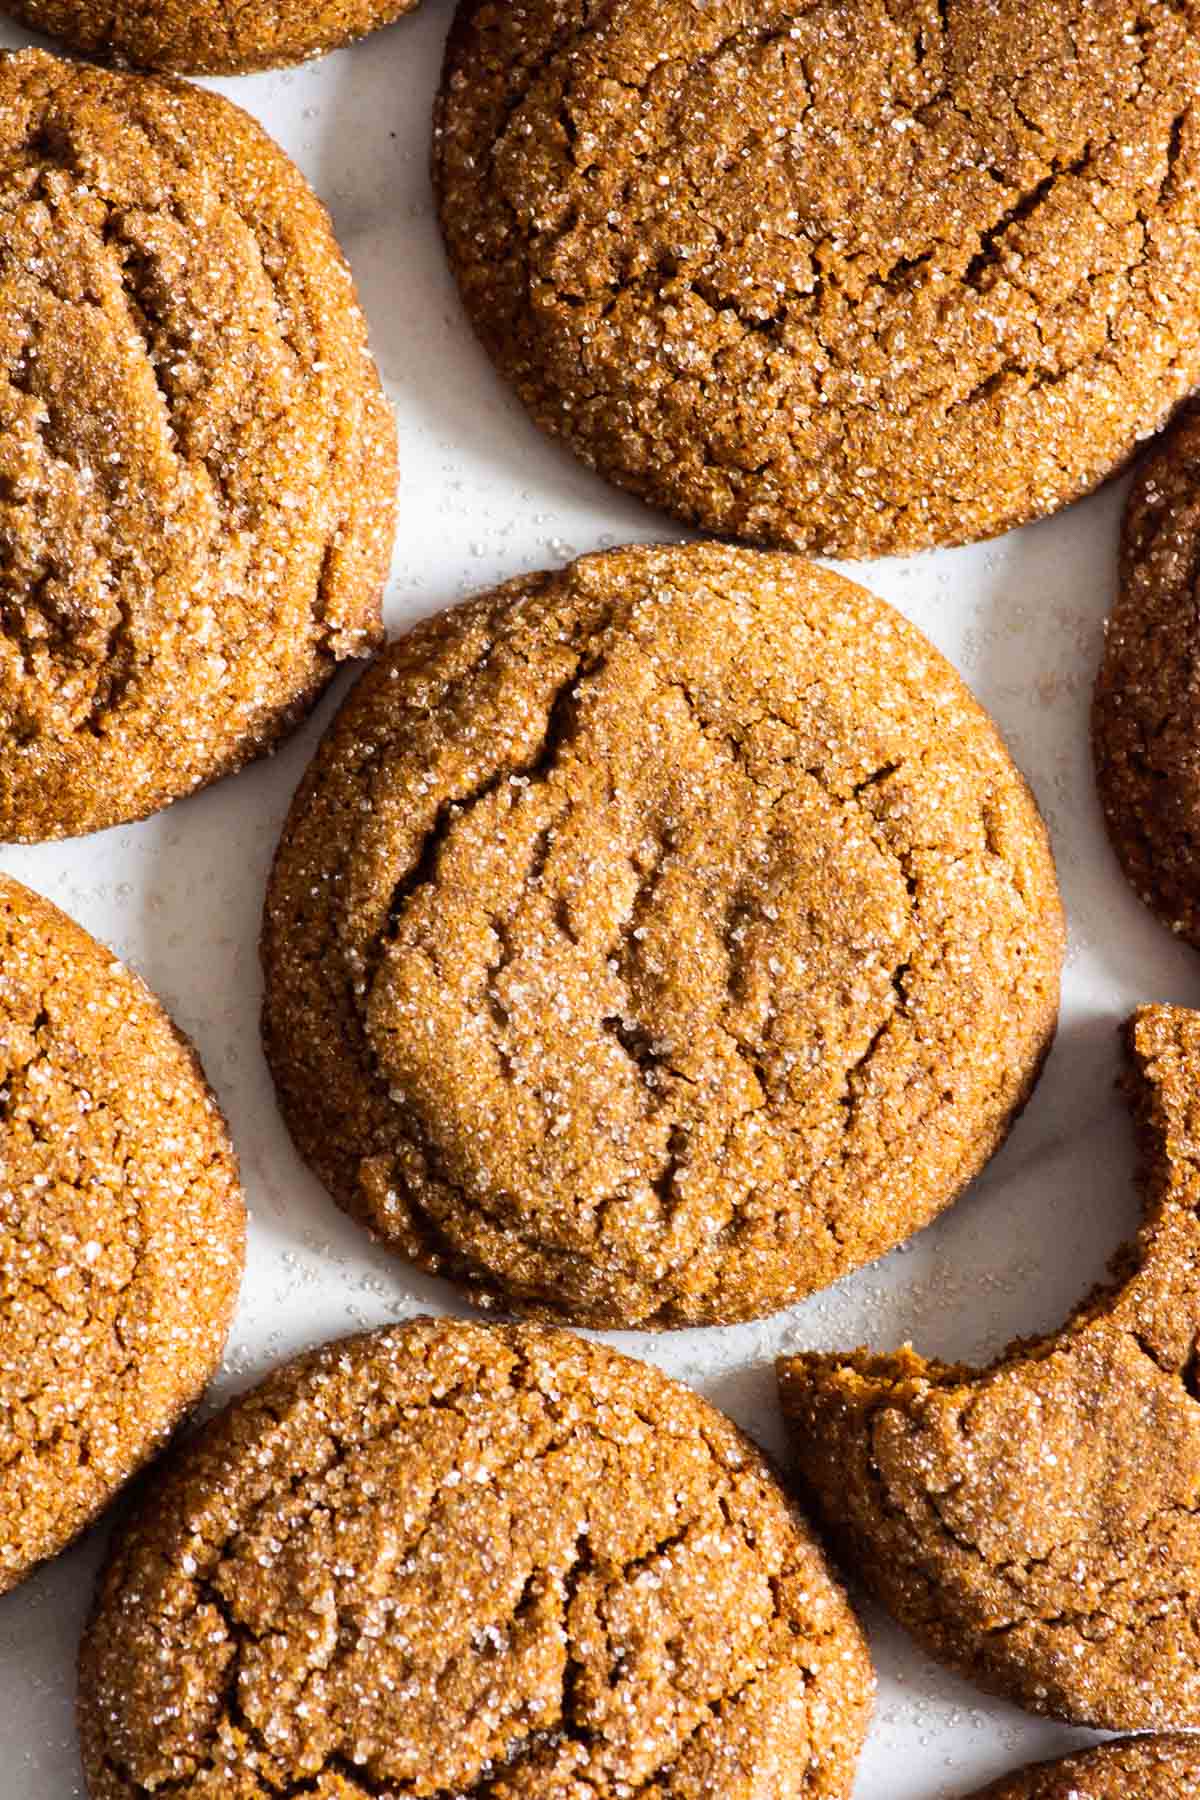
653	941
447	1558
196	459
844	276
1146	1768
1036	1524
1146	709
206	37
121	1228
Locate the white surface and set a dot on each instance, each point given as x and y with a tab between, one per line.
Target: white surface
483	497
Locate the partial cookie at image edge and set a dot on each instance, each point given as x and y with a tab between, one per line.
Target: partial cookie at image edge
122	1229
1142	1768
841	277
548	1565
1146	705
1035	1524
197	460
206	37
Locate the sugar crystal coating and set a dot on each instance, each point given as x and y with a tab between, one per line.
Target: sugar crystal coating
489	1563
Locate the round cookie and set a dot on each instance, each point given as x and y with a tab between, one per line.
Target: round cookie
206	37
845	276
1148	1768
1036	1524
1146	710
197	478
453	1559
121	1229
653	941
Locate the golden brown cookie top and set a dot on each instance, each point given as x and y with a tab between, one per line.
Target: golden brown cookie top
121	1228
655	940
1146	712
196	460
1148	1768
1037	1523
447	1558
841	275
206	37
